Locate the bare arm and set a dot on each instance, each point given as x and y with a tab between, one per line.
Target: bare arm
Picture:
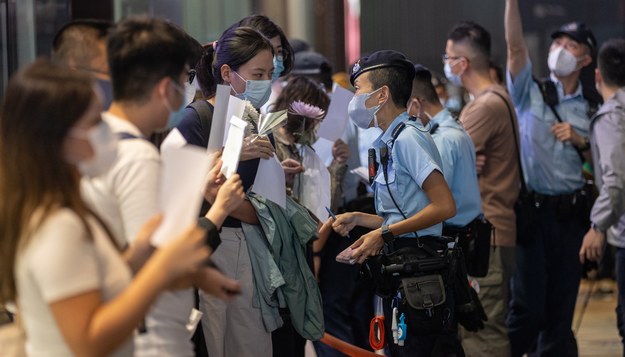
441	207
94	328
517	49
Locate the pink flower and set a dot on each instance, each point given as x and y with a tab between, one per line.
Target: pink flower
306	110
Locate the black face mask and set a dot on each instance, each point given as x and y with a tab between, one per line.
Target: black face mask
107	91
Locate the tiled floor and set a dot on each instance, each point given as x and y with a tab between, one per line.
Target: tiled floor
597	335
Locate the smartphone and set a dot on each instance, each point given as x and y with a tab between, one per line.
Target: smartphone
346	256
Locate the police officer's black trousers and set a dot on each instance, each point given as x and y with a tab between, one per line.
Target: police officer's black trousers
545	285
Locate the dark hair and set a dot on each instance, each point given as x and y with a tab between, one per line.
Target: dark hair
611	60
42	102
422	86
300	88
142	51
269	29
235	47
76	42
476	37
398	81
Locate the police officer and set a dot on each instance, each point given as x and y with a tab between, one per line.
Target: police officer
411	195
456	150
551	227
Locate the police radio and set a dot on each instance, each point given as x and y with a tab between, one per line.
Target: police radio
373	165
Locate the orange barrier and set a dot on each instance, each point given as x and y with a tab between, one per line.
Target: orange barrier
346	348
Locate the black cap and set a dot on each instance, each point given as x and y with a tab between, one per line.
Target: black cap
310	62
381	59
579	32
422	73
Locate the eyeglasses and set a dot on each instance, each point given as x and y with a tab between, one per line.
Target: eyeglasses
446	58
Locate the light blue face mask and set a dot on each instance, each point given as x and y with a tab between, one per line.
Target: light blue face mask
358	112
175	116
453	78
278	67
256	91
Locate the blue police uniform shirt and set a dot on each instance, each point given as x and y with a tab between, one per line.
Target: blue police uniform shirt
550	166
458	158
412	159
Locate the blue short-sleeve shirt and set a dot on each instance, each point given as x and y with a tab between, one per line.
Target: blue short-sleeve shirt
550	166
458	159
413	157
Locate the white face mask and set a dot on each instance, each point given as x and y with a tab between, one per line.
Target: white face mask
358	112
562	62
104	145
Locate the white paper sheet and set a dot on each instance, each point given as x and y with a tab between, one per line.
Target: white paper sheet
220	119
313	185
270	182
173	140
236	107
335	121
323	148
232	147
182	179
362	173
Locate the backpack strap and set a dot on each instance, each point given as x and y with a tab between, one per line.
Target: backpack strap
550	97
204	111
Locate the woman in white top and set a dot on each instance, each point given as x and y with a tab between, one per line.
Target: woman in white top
75	291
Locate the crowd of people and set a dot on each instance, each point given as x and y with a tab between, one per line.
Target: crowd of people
470	233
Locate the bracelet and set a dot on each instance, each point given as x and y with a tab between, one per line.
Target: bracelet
318	254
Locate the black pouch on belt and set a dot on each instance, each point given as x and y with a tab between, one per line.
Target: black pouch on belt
424	301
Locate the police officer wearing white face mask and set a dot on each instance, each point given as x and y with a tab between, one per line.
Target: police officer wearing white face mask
553	150
411	195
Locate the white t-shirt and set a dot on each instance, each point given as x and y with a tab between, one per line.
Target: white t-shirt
60	262
126	197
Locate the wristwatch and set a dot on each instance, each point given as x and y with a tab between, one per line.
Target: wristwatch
387	235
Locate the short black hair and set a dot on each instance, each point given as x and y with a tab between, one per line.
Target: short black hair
476	37
76	41
398	81
143	50
611	62
422	85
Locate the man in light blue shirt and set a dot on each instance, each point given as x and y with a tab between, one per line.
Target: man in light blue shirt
550	222
454	145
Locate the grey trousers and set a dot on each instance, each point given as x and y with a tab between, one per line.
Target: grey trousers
234	329
494	295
